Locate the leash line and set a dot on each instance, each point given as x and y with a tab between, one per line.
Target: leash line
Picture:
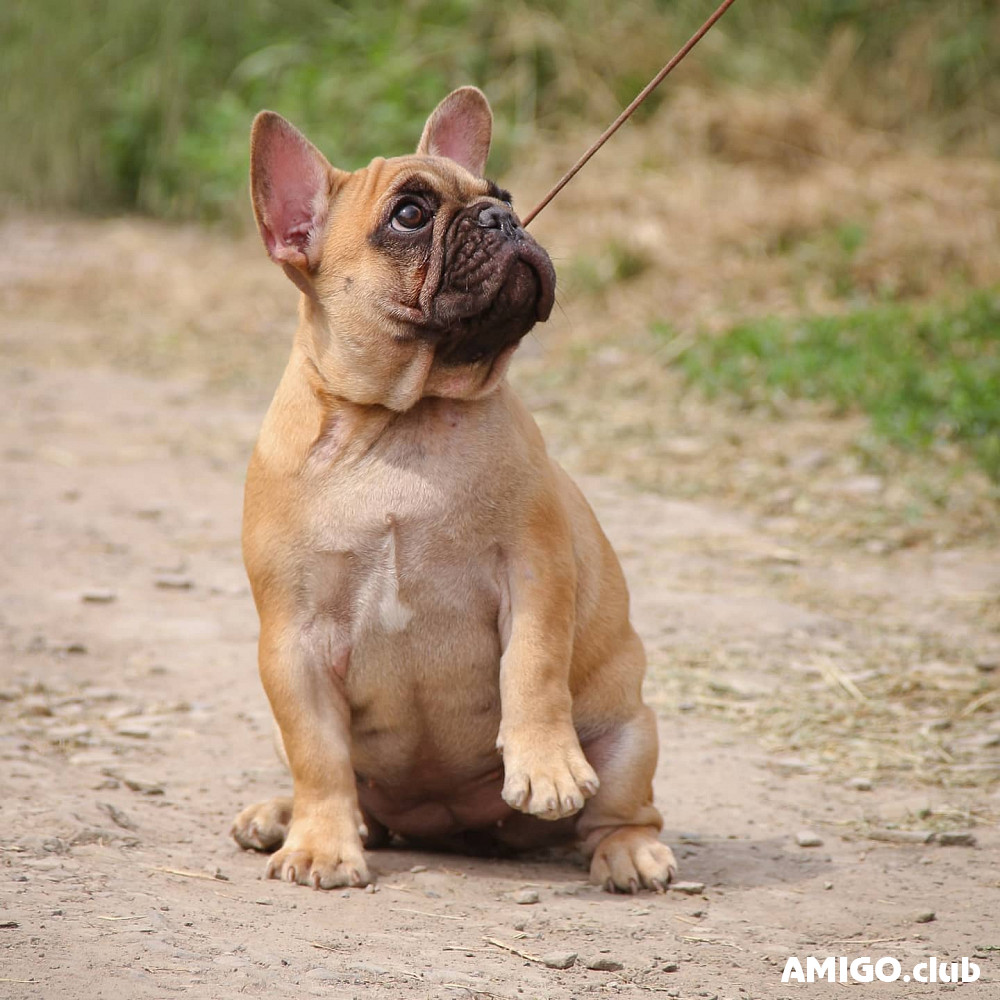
627	113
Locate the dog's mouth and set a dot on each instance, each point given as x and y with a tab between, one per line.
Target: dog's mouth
496	283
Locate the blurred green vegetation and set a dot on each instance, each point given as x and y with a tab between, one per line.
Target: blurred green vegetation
145	105
924	375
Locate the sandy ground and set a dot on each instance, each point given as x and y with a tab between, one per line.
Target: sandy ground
133	726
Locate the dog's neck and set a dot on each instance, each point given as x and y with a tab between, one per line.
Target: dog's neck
396	381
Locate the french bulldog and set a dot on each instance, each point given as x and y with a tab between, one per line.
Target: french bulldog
444	628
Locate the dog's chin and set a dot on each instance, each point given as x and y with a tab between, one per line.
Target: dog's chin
473	380
524	298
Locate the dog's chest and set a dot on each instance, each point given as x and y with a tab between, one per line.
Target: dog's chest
408	539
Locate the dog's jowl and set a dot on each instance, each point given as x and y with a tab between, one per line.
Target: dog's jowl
444	628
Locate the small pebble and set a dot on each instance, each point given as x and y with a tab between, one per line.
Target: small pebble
559	959
143	786
370	888
173	581
688	888
525	897
827	885
860	784
98	596
956	838
118	816
925	918
671	967
901	836
603	963
134	731
806	838
417	869
519	925
988	666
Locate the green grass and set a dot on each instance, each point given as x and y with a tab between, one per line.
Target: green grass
924	375
145	105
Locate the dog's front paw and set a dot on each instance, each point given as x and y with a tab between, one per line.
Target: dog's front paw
632	858
549	779
313	855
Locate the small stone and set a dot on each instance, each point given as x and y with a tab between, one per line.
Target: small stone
134	731
671	967
688	888
892	836
559	959
417	869
860	784
525	897
806	838
173	581
143	786
519	925
925	917
98	596
828	885
988	666
370	888
118	816
603	963
956	838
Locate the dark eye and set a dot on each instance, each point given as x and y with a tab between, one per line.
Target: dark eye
409	216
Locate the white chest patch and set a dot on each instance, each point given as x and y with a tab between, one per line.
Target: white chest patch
378	600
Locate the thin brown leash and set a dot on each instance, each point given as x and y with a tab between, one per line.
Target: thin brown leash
627	113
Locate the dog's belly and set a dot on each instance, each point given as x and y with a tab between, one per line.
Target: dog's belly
434	804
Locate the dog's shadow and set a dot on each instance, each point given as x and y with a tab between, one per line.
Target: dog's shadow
717	862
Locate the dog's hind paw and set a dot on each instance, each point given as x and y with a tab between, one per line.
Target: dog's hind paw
264	825
632	858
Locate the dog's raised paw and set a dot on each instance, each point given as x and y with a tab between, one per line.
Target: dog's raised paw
632	858
548	783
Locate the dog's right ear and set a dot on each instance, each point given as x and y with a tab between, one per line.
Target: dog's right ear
292	184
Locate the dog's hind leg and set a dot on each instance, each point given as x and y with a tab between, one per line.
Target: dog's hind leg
264	826
618	828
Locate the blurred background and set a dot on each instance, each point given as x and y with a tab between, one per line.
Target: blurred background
779	288
813	160
803	220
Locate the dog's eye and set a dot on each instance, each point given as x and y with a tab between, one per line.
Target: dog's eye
409	216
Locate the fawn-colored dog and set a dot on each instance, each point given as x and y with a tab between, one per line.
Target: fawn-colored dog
444	628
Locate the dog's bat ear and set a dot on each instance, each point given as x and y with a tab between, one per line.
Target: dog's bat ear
460	128
291	184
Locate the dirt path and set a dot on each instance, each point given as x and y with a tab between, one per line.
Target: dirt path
133	727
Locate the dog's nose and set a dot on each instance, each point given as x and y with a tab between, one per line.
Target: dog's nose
498	217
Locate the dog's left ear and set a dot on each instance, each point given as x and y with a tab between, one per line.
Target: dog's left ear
460	128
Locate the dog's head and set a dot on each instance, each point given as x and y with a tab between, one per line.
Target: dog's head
417	277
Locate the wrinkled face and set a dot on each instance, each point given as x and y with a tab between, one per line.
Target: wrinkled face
417	273
473	281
